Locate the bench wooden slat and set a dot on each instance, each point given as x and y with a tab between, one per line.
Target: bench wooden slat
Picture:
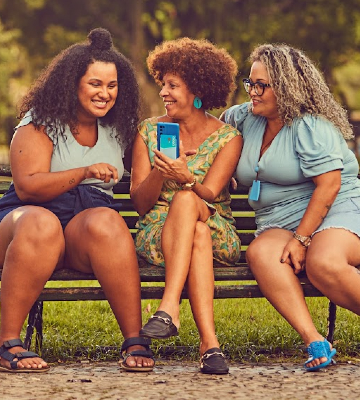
239	291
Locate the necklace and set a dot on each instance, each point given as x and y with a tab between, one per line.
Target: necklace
255	187
264	147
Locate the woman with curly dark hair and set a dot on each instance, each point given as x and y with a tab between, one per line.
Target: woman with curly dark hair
66	155
184	203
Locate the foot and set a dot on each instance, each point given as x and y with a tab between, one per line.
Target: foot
138	361
321	353
137	355
159	326
20	362
213	361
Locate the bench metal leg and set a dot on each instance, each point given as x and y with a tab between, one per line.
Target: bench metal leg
34	322
331	322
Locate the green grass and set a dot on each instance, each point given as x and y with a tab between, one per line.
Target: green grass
249	330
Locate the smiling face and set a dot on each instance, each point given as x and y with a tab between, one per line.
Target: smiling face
265	105
97	90
178	100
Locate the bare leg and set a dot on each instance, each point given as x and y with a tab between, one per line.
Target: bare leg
201	287
31	246
177	244
330	267
98	240
280	285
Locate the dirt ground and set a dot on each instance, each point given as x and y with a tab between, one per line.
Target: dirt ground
182	380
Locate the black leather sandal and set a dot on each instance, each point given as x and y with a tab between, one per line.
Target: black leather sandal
213	361
16	357
147	353
159	326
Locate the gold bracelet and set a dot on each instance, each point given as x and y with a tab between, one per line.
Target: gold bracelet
188	185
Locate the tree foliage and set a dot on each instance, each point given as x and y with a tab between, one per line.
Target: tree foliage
33	31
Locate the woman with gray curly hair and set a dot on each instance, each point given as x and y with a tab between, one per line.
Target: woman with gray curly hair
184	203
303	188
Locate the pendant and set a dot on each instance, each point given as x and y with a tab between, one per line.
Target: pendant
255	190
255	187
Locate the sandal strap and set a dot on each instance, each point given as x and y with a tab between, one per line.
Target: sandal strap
139	353
141	341
166	319
212	352
6	355
9	344
317	350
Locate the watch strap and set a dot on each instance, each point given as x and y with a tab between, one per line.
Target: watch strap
304	240
188	185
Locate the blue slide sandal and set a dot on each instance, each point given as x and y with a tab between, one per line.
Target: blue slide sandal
320	349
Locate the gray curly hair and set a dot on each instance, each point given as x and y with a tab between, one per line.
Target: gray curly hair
299	86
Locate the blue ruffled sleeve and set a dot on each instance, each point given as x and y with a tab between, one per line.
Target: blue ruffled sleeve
236	115
318	145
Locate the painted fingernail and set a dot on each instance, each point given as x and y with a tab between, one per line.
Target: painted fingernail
282	260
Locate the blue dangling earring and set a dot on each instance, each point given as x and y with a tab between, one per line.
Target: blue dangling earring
197	102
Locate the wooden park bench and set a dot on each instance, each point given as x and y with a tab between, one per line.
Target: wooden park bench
239	281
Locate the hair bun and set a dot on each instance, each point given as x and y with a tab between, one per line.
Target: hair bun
100	39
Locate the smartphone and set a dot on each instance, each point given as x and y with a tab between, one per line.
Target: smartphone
168	139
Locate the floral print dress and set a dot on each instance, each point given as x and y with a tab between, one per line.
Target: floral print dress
226	243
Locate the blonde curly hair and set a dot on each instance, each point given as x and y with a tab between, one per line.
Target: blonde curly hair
299	86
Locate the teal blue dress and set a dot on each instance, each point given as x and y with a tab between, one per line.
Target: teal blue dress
309	147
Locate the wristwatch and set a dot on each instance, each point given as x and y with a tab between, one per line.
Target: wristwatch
304	240
189	186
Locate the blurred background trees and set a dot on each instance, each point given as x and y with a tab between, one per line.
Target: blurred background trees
33	31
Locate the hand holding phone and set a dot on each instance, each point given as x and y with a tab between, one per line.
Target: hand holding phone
168	140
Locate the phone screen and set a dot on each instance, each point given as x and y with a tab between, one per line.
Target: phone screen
168	139
168	145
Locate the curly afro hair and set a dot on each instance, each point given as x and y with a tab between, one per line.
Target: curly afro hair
53	97
209	72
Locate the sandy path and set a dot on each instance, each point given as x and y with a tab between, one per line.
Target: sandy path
181	380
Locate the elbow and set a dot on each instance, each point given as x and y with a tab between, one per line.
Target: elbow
24	195
139	208
141	211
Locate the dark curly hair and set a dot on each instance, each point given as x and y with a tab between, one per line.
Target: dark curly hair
209	72
53	99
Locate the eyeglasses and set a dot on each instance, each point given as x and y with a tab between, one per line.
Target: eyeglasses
259	87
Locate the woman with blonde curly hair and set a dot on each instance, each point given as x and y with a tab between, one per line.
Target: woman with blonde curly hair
303	188
184	203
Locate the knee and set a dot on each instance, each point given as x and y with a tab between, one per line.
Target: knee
39	226
202	234
256	251
103	224
322	266
184	199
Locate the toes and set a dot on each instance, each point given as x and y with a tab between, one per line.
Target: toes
139	362
130	361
